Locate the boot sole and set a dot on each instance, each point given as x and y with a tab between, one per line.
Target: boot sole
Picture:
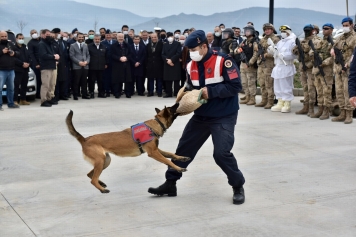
161	194
238	203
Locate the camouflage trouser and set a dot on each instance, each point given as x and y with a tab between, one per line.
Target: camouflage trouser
342	90
268	80
324	90
304	79
248	78
312	87
261	81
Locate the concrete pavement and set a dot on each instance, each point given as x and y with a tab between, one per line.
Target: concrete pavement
300	176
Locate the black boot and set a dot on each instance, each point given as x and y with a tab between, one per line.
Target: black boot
169	188
239	195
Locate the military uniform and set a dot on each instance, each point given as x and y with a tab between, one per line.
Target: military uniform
346	43
249	72
264	73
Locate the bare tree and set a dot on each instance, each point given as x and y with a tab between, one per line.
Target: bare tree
96	22
156	23
21	25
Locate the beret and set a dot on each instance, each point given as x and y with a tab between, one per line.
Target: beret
346	19
195	39
328	25
74	30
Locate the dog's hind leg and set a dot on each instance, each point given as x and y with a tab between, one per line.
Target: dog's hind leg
173	156
106	164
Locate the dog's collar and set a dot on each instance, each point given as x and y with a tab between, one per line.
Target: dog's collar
162	126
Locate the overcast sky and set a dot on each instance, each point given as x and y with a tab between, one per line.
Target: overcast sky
162	8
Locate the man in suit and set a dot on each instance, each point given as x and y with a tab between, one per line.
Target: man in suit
144	38
79	54
97	65
125	31
237	32
171	54
121	72
137	58
108	42
217	38
102	33
154	65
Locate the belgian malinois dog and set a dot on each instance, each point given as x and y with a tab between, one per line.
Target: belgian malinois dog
96	148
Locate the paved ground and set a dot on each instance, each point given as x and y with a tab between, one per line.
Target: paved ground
300	176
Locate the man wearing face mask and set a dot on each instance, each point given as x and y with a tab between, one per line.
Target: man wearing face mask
163	36
346	43
35	63
217	39
125	31
90	39
265	67
74	36
216	118
306	76
22	65
171	54
79	54
249	66
324	83
284	71
176	35
48	66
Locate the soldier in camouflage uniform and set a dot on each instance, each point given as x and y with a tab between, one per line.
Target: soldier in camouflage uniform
323	84
248	66
306	77
265	68
346	43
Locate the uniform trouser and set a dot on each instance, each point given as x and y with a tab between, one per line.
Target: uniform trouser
324	90
140	85
342	90
266	82
38	80
261	83
48	78
96	75
304	76
169	88
150	85
21	80
7	78
313	90
283	88
196	132
107	79
248	78
80	80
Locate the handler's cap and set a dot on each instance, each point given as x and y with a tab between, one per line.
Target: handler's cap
157	28
328	25
56	30
74	30
195	39
346	19
284	28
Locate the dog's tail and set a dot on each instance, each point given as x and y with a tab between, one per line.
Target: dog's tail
71	128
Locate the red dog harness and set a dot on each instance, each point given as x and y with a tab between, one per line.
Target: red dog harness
142	134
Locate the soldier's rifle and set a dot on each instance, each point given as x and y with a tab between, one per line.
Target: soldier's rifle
301	54
317	60
338	55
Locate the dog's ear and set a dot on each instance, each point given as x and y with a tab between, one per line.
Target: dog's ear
174	108
157	110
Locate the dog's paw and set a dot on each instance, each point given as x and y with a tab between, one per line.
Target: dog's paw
105	191
185	159
102	184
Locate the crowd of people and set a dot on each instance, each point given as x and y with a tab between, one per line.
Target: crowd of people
68	64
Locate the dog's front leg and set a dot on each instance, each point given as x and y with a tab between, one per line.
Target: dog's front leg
173	156
156	154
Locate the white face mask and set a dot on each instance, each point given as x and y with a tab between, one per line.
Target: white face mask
284	35
170	39
195	56
58	36
181	42
186	34
176	35
75	35
34	36
86	38
65	38
222	29
346	29
125	32
217	34
20	41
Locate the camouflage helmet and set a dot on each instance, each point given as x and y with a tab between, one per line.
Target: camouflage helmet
268	26
317	29
228	31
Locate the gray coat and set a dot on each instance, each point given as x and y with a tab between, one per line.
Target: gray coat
79	55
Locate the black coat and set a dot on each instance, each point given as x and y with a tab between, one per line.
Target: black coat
98	57
121	71
63	63
7	62
24	57
171	51
135	57
46	53
33	50
154	61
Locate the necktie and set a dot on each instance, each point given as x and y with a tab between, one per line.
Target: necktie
136	49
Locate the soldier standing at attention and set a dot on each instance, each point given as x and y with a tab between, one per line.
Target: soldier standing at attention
346	44
265	68
305	70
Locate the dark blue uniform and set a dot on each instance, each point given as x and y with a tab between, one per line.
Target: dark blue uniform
216	118
352	77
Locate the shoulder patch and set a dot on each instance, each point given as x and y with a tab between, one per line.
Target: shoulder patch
232	73
228	63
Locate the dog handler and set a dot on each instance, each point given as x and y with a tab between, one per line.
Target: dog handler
218	75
